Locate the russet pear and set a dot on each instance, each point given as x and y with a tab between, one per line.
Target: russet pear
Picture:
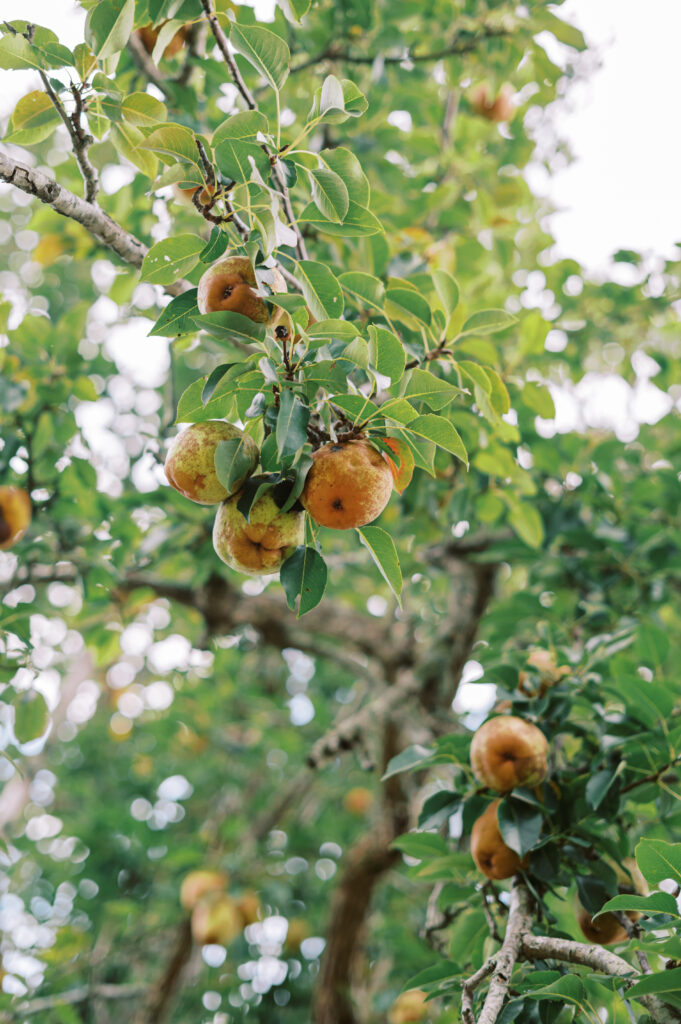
216	920
199	884
409	1007
190	463
262	544
489	851
348	485
230	285
507	751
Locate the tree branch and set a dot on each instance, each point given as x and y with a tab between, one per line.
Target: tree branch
545	947
501	965
277	174
80	140
463	42
160	997
99	224
74	996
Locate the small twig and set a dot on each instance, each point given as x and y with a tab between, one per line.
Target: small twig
462	43
652	778
277	174
146	65
469	987
489	890
80	140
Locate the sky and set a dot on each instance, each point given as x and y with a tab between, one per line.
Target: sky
622	125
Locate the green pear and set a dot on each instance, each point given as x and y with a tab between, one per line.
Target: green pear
190	464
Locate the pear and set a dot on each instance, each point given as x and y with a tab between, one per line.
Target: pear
348	485
190	463
507	752
489	851
216	921
261	545
198	884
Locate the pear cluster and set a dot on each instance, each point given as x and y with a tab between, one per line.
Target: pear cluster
216	916
255	546
506	752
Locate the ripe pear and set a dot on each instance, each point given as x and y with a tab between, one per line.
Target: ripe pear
493	108
216	920
507	752
297	932
409	1007
15	515
198	884
348	485
148	36
190	463
262	545
248	906
358	800
606	930
489	851
230	284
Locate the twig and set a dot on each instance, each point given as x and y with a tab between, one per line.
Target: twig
160	996
76	995
146	65
80	140
462	43
654	777
277	174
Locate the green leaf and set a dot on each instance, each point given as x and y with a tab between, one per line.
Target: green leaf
177	317
236	158
33	120
401	301
410	758
16	53
568	989
441	432
447	290
264	50
527	523
332	330
487	321
323	294
108	26
421	845
426	387
226	326
658	860
656	903
215	246
143	110
382	549
538	398
31	716
599	785
294	10
247	124
233	462
330	194
665	981
369	289
304	573
337	100
358	221
348	168
520	824
437	808
292	421
386	351
170	259
358	353
129	142
175	142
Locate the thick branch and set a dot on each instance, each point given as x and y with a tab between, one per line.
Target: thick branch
519	922
160	998
36	183
350	731
75	996
544	947
366	864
